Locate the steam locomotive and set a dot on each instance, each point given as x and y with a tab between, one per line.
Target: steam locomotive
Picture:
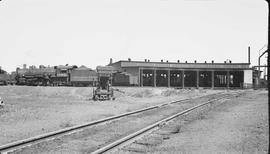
62	75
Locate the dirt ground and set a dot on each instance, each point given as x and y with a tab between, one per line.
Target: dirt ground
31	111
238	126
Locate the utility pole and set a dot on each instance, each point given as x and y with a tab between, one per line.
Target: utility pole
268	62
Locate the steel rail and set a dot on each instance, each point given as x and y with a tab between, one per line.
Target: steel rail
149	128
49	135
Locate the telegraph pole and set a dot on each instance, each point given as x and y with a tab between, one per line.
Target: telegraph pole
268	64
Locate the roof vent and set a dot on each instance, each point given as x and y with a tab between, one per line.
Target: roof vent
212	61
230	61
178	61
145	60
148	60
167	61
129	59
205	62
195	61
186	61
162	60
225	62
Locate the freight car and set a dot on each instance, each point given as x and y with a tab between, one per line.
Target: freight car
121	79
124	79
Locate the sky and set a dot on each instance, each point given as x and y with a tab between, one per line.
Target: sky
90	32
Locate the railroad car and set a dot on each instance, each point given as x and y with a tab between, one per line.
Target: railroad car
83	76
121	79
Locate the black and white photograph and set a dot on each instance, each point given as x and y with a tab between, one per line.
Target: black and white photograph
134	76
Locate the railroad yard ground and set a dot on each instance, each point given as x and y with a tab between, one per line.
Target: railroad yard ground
31	111
235	126
239	125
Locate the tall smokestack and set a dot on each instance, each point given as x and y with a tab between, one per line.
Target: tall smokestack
249	54
111	61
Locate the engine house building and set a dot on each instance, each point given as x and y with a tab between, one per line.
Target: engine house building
177	74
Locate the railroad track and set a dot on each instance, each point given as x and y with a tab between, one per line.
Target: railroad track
148	129
50	136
